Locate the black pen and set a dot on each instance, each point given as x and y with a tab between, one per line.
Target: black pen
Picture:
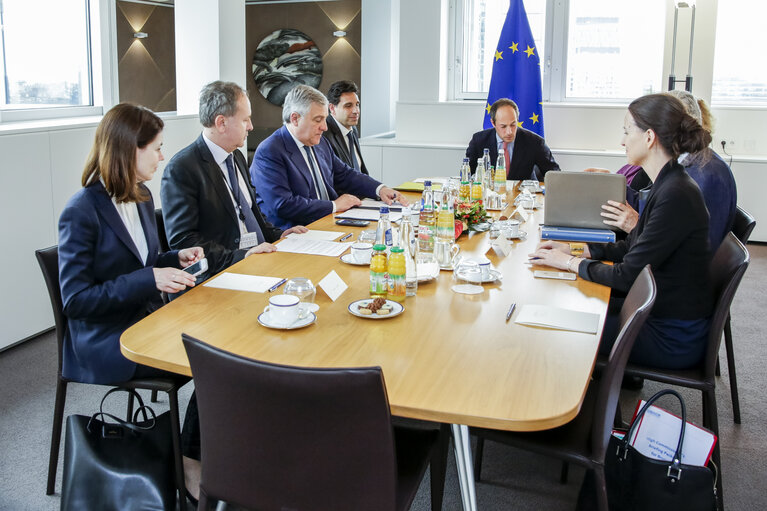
346	237
278	284
511	311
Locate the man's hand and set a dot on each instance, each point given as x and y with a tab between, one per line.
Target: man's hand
298	229
389	195
263	248
620	215
345	202
189	256
172	280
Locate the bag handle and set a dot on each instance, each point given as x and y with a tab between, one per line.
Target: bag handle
133	426
675	469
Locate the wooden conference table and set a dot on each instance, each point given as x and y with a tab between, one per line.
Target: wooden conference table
448	357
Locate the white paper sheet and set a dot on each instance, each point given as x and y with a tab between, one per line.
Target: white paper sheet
438	180
376	204
312	247
558	319
240	282
317	235
368	214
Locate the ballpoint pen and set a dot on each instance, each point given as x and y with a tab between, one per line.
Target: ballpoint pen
278	284
511	311
346	237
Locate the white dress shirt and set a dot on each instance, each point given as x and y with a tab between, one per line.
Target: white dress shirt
128	212
220	156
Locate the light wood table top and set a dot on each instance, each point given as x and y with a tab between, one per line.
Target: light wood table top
448	357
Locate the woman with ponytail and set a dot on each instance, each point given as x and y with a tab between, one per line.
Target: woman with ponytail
671	236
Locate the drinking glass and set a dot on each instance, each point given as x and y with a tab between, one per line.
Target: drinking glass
302	288
467	278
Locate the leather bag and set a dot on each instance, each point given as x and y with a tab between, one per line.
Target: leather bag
636	482
118	465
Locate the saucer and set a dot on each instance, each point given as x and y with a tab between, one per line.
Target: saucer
494	276
348	259
427	271
264	320
467	289
396	309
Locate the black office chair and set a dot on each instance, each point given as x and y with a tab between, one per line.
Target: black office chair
742	227
584	439
164	247
277	437
48	258
725	273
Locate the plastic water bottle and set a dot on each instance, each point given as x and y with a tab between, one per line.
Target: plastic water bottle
477	187
384	235
426	223
408	242
464	192
486	160
446	219
500	175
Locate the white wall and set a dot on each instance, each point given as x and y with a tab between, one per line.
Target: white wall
41	169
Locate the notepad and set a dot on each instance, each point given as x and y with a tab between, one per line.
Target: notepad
316	235
368	214
558	319
312	247
240	282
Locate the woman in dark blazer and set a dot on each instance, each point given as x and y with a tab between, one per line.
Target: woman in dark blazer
110	268
671	236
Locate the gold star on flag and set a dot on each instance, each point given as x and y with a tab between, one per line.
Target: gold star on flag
498	55
520	123
534	118
514	47
530	51
487	108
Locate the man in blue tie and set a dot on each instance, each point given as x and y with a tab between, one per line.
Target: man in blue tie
344	105
297	177
207	199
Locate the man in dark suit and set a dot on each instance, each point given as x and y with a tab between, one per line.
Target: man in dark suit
344	105
200	205
298	179
527	155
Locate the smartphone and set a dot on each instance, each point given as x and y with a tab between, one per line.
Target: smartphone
561	275
197	268
352	222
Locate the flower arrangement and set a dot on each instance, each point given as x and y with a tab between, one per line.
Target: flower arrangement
470	212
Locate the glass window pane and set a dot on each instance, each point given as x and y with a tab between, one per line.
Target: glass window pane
740	76
45	56
615	49
482	21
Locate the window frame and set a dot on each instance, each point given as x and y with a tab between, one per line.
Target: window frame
101	54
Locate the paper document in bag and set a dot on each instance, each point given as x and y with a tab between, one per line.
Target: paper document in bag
658	435
240	282
559	319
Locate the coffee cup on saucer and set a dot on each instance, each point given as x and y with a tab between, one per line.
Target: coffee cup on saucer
283	309
361	252
511	229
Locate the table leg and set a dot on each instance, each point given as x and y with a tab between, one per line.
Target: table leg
462	445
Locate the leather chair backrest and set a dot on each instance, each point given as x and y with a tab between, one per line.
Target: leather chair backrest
633	314
725	273
164	247
278	438
743	225
48	258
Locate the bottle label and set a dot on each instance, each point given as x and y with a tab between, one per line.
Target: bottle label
388	238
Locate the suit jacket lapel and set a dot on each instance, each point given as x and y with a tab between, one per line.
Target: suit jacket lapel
109	213
213	171
340	140
297	158
146	214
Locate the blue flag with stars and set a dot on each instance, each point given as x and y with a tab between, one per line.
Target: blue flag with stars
516	70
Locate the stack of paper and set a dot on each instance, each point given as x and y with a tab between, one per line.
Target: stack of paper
368	214
299	245
316	235
240	282
557	318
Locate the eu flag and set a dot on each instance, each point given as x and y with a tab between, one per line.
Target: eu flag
516	70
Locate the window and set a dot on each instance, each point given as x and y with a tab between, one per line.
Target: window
45	56
740	76
614	49
482	21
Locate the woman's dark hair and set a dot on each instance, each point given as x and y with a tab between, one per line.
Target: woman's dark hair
124	128
677	131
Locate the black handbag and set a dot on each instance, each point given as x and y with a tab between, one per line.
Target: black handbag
118	465
636	482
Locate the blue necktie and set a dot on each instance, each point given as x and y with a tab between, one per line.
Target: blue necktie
352	150
319	184
244	211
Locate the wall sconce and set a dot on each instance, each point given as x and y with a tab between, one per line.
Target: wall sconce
140	35
339	33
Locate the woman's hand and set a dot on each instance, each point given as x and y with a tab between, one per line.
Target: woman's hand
553	245
263	248
298	229
189	256
551	256
620	215
172	280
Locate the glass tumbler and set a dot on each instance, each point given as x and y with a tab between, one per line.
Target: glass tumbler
302	288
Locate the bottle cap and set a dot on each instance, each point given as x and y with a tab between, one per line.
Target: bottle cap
384	210
427	183
379	246
396	249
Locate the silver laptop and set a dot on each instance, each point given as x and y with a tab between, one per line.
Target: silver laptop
574	199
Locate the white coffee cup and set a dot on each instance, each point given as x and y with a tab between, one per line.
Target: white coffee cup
484	266
361	252
283	309
511	229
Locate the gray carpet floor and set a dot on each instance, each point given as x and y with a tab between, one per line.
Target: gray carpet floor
512	479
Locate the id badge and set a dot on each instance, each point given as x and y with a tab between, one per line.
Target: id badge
248	240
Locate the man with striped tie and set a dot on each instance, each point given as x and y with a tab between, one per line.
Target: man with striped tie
344	106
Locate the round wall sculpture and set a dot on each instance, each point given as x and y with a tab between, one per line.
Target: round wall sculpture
284	59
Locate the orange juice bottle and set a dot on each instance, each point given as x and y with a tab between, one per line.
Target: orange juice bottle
397	271
378	269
